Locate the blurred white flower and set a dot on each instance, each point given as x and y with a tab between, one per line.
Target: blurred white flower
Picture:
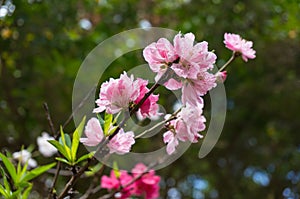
45	148
23	157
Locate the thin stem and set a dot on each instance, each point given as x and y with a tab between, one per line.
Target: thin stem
173	116
233	56
78	107
49	119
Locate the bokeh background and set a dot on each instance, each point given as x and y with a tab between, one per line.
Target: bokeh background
43	43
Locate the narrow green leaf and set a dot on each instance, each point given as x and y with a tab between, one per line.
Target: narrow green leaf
67	149
107	122
100	120
93	170
37	171
59	147
4	192
10	167
27	192
64	160
5	182
112	130
84	157
116	169
76	137
67	139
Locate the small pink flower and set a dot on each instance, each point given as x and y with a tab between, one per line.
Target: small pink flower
221	76
148	184
171	141
159	54
116	94
121	143
236	43
93	132
186	127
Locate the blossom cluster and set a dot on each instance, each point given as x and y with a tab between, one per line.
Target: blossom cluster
140	182
188	66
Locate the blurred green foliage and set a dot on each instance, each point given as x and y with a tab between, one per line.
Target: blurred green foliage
42	44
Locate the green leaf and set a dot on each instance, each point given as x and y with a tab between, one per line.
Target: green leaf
27	192
4	192
59	147
5	182
10	167
63	160
107	123
66	147
37	171
112	130
116	169
100	120
67	140
94	170
76	137
84	157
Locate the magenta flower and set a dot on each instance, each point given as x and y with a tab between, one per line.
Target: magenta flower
121	143
150	107
147	185
235	43
221	76
93	132
116	94
114	183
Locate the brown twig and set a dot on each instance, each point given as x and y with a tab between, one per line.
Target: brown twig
50	122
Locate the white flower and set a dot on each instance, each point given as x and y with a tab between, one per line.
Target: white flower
24	156
45	148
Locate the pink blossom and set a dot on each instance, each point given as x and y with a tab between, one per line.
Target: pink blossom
236	43
116	94
171	140
121	143
185	127
194	88
149	107
192	58
147	185
93	132
221	76
159	54
114	183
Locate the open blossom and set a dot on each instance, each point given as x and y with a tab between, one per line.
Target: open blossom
121	143
194	88
113	182
45	148
159	54
186	127
236	43
192	58
116	94
148	184
24	157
